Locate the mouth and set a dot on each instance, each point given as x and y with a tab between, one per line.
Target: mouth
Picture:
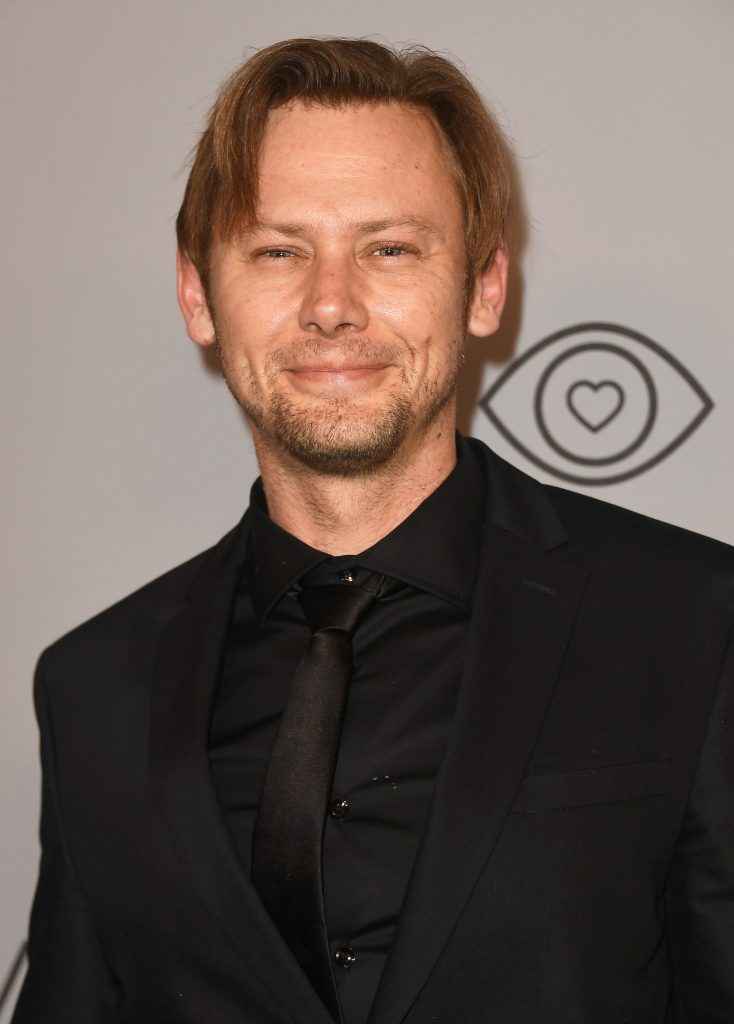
326	374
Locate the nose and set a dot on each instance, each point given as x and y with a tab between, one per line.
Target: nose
333	301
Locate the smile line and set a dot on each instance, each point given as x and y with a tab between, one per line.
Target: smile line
336	369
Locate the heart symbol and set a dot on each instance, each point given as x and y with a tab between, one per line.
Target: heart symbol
595	405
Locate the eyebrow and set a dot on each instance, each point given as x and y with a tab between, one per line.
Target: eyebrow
365	227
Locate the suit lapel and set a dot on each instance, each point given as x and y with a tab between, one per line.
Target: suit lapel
524	607
186	674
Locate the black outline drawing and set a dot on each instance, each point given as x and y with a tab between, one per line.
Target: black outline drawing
652	408
596	427
486	400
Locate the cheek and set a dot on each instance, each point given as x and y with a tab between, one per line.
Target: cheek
412	309
429	321
250	327
243	316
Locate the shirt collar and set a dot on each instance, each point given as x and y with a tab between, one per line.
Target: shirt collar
434	549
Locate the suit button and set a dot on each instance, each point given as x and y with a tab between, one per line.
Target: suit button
345	957
339	808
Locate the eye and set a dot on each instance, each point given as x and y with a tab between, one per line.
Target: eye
596	404
276	254
391	250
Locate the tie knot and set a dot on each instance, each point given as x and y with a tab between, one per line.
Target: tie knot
339	605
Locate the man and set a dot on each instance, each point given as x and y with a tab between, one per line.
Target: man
419	740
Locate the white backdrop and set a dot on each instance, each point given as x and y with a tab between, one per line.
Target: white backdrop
123	453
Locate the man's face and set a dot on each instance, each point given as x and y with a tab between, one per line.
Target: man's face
340	319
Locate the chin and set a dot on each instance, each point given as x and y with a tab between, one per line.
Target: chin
341	441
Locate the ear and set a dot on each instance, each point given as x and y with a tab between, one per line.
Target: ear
192	302
488	296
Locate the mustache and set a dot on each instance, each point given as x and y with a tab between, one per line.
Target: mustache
358	350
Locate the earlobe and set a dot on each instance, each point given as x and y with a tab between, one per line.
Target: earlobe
193	303
488	297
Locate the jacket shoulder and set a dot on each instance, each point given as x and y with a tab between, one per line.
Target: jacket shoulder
595	529
140	613
609	530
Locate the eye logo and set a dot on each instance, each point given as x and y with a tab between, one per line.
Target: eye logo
596	404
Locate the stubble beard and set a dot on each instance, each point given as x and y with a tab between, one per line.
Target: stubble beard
329	436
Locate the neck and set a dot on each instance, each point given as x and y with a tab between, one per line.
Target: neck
343	515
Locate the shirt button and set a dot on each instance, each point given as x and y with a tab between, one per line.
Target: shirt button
347	576
339	808
345	957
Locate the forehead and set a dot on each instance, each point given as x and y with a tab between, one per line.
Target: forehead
375	157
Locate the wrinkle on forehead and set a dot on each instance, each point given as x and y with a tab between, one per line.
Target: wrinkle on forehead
366	153
363	227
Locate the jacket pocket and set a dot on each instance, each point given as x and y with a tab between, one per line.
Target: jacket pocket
604	785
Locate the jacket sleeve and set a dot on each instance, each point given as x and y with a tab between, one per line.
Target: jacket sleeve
67	979
700	890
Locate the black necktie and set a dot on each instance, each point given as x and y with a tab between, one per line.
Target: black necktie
287	842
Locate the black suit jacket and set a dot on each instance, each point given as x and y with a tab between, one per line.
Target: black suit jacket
578	864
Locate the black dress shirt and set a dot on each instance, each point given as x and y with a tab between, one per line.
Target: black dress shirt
408	658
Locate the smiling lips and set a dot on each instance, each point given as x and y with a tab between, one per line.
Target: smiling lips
321	373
